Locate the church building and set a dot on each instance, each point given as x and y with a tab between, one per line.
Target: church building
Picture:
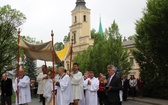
79	31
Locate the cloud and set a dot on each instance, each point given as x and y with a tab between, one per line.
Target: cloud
46	15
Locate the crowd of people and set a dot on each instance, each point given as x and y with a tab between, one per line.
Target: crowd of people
71	88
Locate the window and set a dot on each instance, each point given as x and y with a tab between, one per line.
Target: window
74	37
75	19
132	61
84	18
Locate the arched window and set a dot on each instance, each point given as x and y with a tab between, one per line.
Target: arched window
74	37
75	19
84	18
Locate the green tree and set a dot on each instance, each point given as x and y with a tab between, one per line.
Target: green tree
10	20
58	46
66	38
132	37
30	67
83	59
151	42
114	52
106	50
93	33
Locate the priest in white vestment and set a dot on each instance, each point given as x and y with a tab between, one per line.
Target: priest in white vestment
76	84
82	101
48	93
21	86
63	86
42	79
40	84
91	87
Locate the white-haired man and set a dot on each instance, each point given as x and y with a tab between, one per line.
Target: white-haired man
63	85
113	86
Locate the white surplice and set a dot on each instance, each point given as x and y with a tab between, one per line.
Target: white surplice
24	90
47	90
40	83
64	91
77	86
82	101
91	91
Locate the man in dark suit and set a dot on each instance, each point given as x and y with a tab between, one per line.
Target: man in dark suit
6	90
125	85
113	86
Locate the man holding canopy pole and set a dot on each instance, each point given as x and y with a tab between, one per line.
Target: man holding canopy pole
22	87
76	84
44	51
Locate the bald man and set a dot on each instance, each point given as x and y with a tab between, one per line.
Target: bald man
6	90
22	87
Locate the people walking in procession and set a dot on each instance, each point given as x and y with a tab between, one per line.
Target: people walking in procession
101	92
91	87
113	86
42	78
63	86
21	87
76	84
125	86
133	85
6	90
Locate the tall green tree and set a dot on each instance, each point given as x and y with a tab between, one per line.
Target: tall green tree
10	20
106	50
152	45
114	51
84	59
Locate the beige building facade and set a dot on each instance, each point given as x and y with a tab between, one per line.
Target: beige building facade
79	31
130	45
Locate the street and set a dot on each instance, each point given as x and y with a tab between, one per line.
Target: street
134	103
35	101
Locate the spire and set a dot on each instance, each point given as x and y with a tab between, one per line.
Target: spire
80	3
100	28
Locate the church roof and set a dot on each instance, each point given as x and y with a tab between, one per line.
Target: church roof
80	4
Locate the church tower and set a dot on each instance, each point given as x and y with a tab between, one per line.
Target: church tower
80	27
79	30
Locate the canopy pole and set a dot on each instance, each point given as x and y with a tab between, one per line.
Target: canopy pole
53	71
71	51
18	66
45	63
